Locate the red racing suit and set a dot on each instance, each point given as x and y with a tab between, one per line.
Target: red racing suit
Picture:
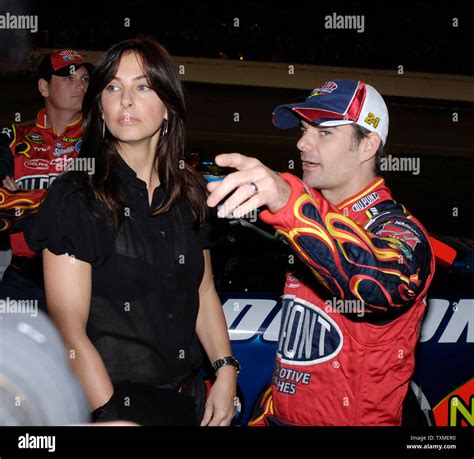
351	317
34	156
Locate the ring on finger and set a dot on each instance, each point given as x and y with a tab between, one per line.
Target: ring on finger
254	187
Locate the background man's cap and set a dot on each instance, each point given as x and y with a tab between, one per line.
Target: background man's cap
62	62
335	103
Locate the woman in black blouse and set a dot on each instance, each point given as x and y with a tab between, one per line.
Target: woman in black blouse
128	276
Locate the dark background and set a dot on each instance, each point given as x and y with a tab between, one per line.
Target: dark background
418	34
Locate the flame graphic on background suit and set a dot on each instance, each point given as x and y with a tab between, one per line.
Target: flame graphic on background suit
17	205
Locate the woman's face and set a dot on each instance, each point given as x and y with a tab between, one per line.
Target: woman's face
132	111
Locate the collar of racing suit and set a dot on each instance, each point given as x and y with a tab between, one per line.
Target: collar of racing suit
361	207
41	122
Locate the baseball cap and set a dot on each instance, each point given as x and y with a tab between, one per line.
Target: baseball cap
61	62
335	103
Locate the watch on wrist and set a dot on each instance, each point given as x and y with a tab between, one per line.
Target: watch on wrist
229	360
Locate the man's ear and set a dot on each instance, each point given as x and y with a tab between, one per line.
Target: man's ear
43	87
371	145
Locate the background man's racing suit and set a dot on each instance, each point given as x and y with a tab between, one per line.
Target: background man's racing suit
33	155
351	316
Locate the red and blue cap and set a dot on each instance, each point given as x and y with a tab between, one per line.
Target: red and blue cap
335	103
62	62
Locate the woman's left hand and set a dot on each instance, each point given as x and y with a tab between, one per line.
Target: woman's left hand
220	405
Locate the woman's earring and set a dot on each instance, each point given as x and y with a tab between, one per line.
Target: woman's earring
165	127
103	129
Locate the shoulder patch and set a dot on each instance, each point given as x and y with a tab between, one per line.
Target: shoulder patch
399	230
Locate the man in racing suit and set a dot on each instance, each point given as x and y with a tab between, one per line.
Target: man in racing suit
32	155
352	310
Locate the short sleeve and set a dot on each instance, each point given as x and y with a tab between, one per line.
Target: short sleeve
205	235
64	223
209	230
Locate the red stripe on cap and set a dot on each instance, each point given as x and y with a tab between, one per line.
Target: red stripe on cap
312	114
357	102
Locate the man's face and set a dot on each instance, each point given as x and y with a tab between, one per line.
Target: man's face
329	155
66	93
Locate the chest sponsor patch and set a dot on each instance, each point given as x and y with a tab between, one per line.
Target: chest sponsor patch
37	164
59	151
71	139
292	281
36	182
41	149
365	202
35	138
308	335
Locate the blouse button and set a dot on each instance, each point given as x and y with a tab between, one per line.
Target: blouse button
162	233
170	315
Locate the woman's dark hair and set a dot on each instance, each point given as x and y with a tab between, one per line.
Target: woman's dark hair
177	177
360	133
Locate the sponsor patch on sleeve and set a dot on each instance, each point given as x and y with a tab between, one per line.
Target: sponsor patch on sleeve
399	230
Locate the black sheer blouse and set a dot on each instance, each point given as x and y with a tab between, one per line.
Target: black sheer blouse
145	278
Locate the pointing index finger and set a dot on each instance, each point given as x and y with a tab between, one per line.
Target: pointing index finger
244	166
235	160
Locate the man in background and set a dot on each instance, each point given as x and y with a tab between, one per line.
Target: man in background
32	155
